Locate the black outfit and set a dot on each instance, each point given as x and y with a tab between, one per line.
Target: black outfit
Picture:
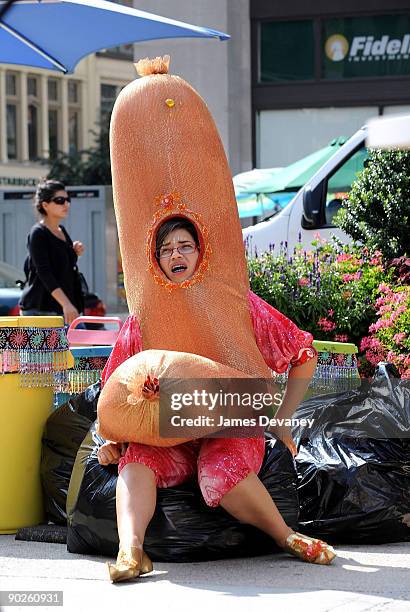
51	264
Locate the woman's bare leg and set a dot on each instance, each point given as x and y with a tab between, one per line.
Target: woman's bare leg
250	503
136	500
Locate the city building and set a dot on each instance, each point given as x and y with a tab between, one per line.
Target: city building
43	111
321	69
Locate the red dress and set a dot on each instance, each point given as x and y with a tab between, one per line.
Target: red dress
218	463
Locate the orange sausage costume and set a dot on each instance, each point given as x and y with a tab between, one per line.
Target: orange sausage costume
168	161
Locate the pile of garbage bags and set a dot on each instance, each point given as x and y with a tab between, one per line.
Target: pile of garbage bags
350	481
63	434
353	465
183	527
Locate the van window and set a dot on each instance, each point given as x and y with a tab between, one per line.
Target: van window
340	183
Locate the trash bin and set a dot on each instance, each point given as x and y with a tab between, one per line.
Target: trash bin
89	362
336	368
32	351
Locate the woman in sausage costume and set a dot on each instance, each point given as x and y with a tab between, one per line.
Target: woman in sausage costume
187	289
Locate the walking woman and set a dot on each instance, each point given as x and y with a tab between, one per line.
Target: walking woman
53	284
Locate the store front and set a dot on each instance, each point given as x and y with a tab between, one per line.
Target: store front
321	71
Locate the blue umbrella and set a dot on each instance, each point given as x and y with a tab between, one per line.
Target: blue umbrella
40	32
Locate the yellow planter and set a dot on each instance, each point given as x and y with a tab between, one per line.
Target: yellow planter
23	413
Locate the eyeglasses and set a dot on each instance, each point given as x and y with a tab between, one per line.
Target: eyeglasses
183	249
61	200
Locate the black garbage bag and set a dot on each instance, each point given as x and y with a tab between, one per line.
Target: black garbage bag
353	465
183	528
64	431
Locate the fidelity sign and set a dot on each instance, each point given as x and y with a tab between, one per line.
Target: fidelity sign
368	48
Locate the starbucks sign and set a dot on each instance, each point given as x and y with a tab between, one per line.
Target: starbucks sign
366	47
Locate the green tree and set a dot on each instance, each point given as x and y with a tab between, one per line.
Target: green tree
87	167
378	209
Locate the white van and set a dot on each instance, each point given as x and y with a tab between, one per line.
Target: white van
311	211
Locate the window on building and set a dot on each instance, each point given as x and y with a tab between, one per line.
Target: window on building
359	47
12	114
53	90
73	87
53	140
286	51
73	130
11	84
33	113
74	115
109	94
32	86
54	117
32	117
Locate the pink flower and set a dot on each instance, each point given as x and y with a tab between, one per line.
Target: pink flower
384	309
399	337
326	325
383	288
375	357
341	338
365	343
380	301
343	257
347	278
399	297
376	259
380	324
302	282
375	343
331	312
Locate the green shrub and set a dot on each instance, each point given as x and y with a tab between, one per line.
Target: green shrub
378	208
327	291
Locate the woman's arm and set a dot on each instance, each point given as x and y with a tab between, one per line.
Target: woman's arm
298	381
69	310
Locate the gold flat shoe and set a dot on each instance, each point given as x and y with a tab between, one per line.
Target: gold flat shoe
130	564
309	549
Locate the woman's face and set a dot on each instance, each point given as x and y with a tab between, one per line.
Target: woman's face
178	266
56	208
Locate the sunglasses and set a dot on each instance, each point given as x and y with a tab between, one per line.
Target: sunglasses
61	200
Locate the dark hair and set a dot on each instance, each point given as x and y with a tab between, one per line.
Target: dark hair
45	192
173	224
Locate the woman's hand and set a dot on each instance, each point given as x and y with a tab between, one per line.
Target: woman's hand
78	248
111	452
284	433
70	313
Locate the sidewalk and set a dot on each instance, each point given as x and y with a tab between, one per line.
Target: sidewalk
362	578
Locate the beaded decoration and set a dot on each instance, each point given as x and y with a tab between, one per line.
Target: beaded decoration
39	355
171	205
86	372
